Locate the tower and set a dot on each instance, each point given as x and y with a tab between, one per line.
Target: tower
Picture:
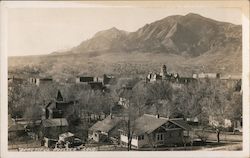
163	72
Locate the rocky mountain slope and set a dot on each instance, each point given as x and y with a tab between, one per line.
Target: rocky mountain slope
189	35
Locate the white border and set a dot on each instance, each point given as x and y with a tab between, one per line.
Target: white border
244	5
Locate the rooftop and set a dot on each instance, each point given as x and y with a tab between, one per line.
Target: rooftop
148	123
107	124
55	122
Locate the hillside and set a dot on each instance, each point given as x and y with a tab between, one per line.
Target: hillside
186	44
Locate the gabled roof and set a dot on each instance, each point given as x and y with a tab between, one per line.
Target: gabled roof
55	122
181	123
59	96
107	124
66	135
148	123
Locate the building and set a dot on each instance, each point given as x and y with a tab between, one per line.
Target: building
84	79
153	77
59	108
41	81
15	80
95	83
167	76
152	131
207	75
52	128
106	130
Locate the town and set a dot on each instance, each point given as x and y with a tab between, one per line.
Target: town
160	111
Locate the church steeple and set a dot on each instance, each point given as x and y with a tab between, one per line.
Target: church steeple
59	96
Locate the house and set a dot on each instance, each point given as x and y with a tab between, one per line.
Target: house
41	81
107	129
84	79
15	80
185	80
152	131
52	128
207	75
59	107
194	121
153	77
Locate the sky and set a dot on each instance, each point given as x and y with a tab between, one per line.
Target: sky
37	31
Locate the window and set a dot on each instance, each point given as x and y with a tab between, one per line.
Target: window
185	133
159	137
141	137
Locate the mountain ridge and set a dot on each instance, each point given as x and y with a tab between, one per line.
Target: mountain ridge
185	43
189	35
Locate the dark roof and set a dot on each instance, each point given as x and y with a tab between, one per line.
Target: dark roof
16	127
148	123
107	124
45	79
55	122
181	123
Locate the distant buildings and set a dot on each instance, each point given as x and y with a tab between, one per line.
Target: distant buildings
167	76
40	81
16	80
207	75
84	79
95	82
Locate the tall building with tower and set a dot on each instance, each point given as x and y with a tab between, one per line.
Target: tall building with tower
163	72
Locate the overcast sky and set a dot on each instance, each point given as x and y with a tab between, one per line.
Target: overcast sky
36	31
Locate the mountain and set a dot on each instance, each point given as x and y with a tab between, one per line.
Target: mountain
186	44
190	35
110	39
